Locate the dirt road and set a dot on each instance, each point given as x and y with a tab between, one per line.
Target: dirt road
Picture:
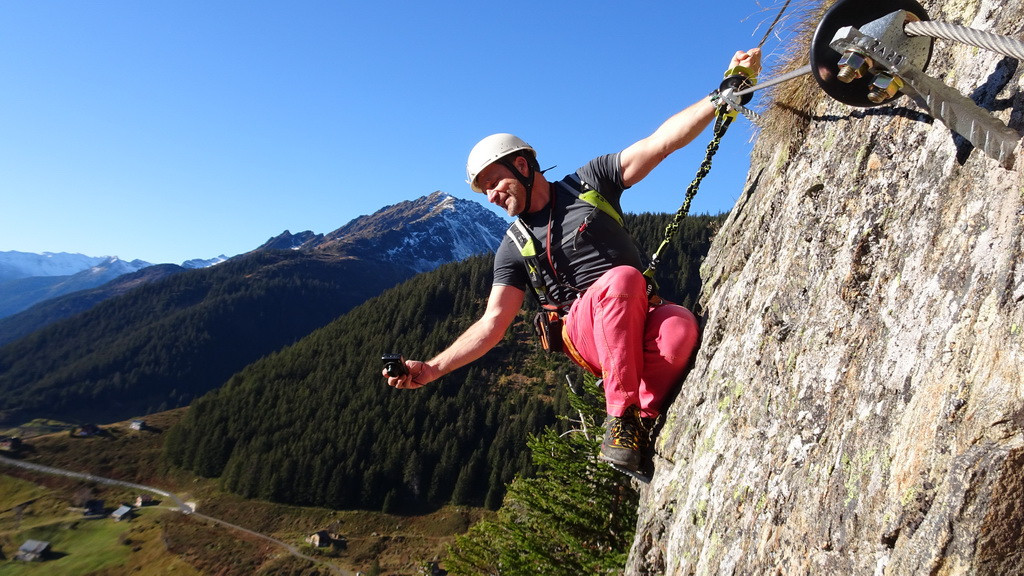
179	505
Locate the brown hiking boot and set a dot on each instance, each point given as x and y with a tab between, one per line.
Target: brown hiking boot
624	439
647	433
647	424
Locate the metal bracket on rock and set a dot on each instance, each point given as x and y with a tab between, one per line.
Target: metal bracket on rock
896	61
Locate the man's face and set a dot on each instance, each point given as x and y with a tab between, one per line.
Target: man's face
502	188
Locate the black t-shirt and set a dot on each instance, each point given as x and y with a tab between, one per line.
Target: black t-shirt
579	258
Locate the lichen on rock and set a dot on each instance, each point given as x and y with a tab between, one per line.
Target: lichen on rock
857	405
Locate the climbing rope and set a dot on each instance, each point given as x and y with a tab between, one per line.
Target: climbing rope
721	125
728	102
979	38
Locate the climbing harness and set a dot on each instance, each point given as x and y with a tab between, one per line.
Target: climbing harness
548	322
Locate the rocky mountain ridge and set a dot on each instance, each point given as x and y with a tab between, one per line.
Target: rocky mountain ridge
35	278
418	234
856	405
422	233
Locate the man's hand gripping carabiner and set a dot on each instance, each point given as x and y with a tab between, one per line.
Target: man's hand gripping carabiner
742	74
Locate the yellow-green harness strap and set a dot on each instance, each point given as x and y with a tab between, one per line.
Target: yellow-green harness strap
594	198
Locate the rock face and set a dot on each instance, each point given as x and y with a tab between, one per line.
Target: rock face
856	406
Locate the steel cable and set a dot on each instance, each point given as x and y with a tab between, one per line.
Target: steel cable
988	40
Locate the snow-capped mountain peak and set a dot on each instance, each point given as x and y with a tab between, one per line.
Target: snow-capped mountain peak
26	278
422	233
203	263
15	264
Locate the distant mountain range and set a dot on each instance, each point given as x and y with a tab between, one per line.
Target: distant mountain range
160	336
27	279
426	232
16	265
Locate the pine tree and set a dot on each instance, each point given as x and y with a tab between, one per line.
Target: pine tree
576	516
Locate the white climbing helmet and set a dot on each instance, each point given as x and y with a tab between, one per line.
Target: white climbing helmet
490	149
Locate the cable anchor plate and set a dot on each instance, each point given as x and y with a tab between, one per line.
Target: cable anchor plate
958	112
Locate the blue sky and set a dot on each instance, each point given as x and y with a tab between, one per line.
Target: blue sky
164	131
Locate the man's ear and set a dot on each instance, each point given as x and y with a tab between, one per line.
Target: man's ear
522	164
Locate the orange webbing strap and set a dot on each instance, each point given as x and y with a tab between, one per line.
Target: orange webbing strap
573	353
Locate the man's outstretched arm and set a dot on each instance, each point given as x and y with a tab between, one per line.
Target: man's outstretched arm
643	156
502	305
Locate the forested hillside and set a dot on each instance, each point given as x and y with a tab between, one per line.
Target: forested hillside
49	311
315	423
163	344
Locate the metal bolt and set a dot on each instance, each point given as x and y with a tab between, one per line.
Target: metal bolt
884	87
853	65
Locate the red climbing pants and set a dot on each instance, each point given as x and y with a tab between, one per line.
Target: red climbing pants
641	351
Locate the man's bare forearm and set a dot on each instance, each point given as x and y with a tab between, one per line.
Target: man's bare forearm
476	341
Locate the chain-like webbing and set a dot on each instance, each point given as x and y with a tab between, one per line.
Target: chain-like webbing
721	125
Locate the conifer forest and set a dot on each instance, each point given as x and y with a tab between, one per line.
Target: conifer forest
315	424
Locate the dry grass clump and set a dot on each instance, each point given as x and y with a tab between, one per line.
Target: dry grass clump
786	107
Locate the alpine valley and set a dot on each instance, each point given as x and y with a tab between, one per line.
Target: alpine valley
155	337
256	383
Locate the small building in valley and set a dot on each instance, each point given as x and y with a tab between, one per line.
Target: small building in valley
33	551
326	538
320	539
124	512
94	507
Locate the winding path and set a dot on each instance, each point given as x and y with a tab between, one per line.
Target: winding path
179	505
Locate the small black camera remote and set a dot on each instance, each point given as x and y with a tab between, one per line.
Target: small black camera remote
395	365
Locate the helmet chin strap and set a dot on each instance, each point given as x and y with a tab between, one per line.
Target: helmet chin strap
526	181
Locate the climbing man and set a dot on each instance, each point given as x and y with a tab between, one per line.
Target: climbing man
568	246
